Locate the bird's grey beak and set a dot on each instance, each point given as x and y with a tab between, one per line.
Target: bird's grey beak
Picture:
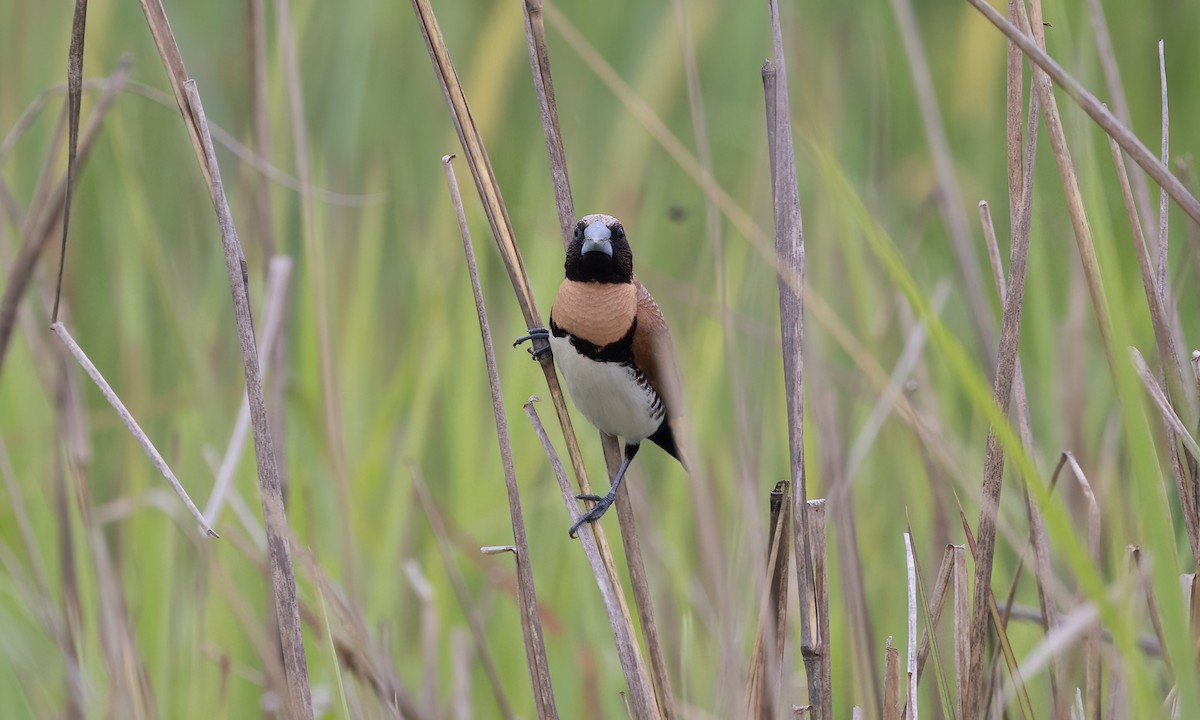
597	238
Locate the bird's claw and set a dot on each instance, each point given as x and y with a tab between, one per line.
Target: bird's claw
536	334
603	503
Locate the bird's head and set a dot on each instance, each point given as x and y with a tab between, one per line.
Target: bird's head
599	251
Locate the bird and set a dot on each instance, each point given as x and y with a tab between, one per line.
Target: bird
611	344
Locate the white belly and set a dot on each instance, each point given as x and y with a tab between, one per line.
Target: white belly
608	394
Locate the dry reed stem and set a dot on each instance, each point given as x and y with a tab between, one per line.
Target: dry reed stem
910	699
543	85
132	424
38	227
818	545
632	663
1092	657
531	624
1116	89
278	274
994	462
762	696
1095	110
941	587
789	253
1165	158
962	627
1014	90
627	520
778	591
993	475
539	63
74	96
1010	658
892	697
949	193
640	692
1038	539
283	581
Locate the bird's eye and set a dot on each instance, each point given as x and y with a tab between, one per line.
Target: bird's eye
620	232
579	232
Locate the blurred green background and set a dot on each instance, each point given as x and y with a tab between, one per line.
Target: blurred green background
149	301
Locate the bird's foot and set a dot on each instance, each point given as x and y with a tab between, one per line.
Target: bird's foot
540	337
603	503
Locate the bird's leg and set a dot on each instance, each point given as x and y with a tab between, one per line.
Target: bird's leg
604	502
541	342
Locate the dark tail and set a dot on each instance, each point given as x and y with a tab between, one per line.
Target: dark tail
664	437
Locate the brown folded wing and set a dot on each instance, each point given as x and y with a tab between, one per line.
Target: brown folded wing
654	355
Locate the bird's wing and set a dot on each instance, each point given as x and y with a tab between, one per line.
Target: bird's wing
654	355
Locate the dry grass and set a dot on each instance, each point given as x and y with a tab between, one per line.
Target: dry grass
1088	643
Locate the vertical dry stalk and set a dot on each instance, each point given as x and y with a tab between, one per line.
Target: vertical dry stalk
1162	193
283	580
949	196
910	701
1094	108
766	668
789	254
1006	365
640	692
778	582
892	693
817	543
962	628
131	423
531	624
1037	525
1010	658
543	85
659	678
1092	641
993	475
543	82
941	587
762	696
74	96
